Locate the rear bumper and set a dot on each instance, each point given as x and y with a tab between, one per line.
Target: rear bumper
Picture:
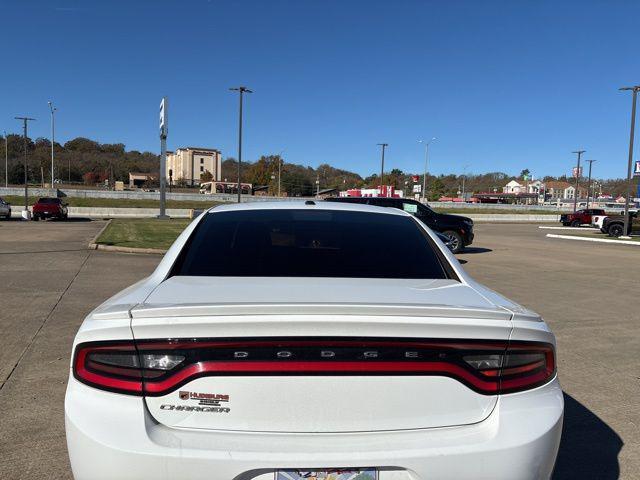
468	238
113	436
49	214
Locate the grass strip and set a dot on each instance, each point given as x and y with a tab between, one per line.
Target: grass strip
142	232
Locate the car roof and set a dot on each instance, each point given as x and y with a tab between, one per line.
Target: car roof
308	204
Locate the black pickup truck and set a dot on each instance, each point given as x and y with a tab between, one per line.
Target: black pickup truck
458	229
614	225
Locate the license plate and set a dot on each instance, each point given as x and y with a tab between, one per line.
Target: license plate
331	474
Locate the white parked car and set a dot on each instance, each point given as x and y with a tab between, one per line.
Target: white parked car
597	220
275	339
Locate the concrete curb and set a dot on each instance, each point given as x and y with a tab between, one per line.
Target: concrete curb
599	240
93	244
510	218
113	248
584	229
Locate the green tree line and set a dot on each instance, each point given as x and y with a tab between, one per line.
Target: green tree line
80	160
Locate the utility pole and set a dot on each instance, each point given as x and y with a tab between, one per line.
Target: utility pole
279	171
383	145
630	165
242	91
53	109
464	181
575	194
589	183
26	215
426	165
317	185
6	160
279	176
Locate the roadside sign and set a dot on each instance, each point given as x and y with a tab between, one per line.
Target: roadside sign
415	178
577	172
164	123
417	188
164	129
636	170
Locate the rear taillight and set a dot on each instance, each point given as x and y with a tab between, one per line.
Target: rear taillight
157	367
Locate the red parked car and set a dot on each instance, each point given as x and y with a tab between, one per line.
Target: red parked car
50	208
580	217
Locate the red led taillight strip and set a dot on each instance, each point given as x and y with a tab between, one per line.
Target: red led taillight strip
445	359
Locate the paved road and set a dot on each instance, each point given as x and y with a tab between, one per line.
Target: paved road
50	282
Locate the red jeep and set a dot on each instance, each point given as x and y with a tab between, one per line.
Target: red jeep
580	217
49	208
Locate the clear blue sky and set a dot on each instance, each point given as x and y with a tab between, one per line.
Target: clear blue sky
504	85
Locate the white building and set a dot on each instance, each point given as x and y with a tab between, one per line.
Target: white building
523	186
188	164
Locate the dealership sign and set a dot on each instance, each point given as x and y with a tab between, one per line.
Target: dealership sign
636	170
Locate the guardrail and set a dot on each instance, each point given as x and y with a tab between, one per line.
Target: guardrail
113	212
229	198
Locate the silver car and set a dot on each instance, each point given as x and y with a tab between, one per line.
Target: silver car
5	209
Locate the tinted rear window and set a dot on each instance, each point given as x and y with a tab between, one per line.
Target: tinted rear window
49	200
309	243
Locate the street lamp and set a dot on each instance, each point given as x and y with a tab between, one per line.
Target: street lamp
464	181
25	120
6	160
575	194
630	165
53	109
279	171
426	164
241	91
589	182
383	145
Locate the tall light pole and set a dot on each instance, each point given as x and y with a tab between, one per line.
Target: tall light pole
242	91
589	182
279	171
53	124
575	194
630	165
25	214
464	181
383	145
426	164
6	160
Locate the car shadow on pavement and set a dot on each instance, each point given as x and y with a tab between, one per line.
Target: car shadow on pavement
74	220
589	447
476	250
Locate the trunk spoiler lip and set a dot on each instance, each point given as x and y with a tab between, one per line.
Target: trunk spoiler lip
318	309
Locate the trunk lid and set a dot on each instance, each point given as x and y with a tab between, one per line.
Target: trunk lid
307	319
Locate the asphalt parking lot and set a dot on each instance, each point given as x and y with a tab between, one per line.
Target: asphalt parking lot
587	292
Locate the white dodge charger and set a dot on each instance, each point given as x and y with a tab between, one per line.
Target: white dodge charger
312	340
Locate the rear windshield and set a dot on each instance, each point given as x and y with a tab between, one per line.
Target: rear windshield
310	243
49	200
